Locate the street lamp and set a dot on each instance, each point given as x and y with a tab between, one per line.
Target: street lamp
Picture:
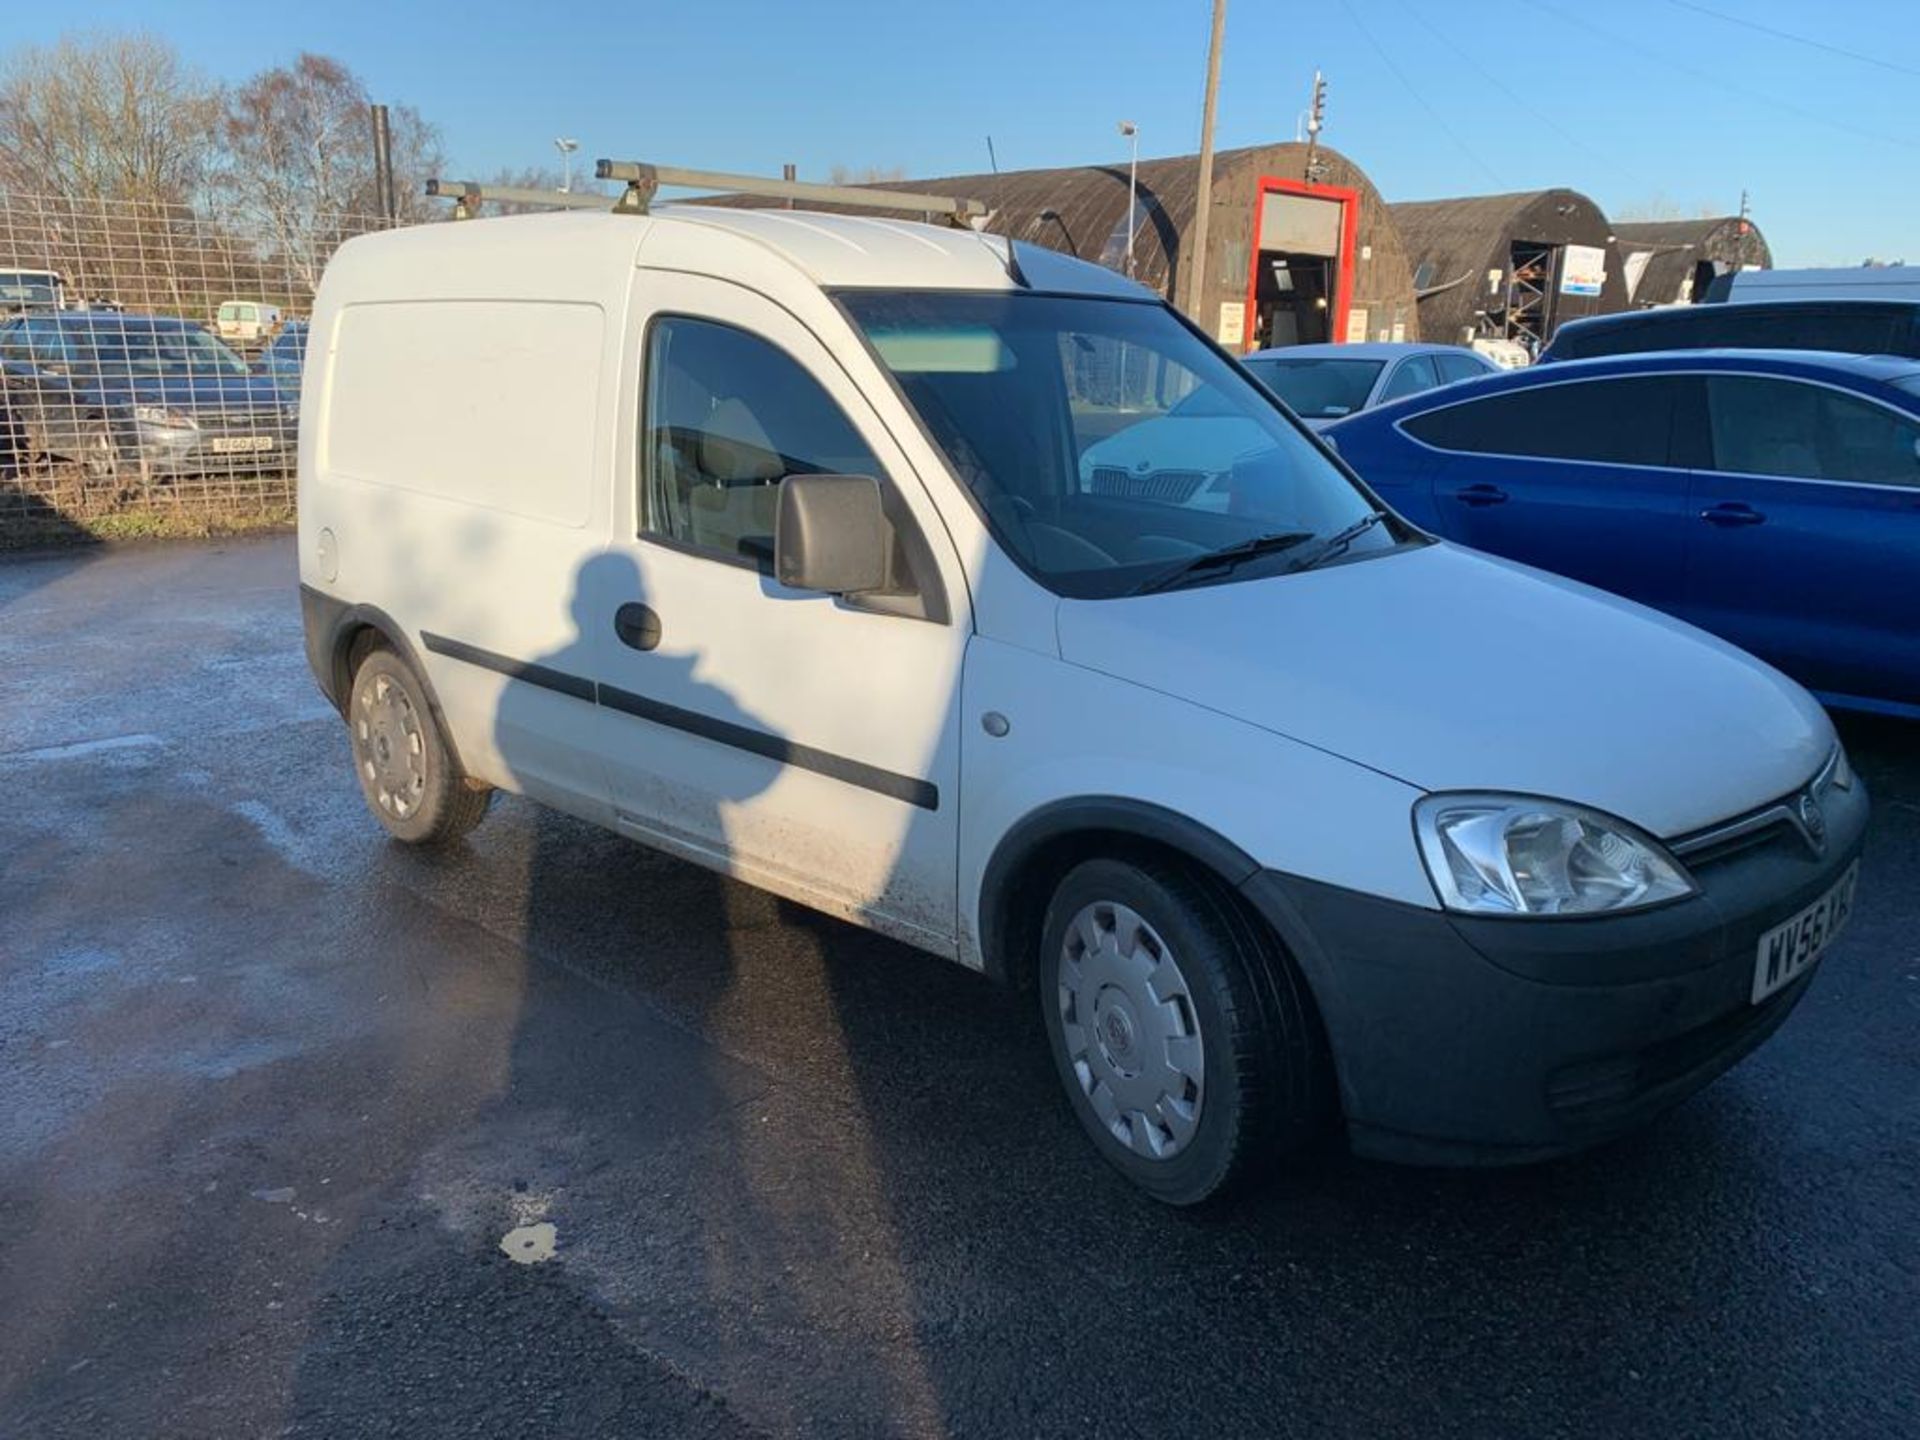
1132	132
566	146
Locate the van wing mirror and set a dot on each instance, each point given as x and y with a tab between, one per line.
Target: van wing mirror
831	533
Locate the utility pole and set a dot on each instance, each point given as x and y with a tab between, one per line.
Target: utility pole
566	145
385	198
1132	132
1203	202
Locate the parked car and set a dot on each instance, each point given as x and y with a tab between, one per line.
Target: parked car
1852	282
1504	354
245	322
1325	383
1180	454
766	544
28	290
283	357
1854	327
1770	497
110	390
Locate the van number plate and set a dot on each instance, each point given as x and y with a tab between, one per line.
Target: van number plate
239	444
1788	951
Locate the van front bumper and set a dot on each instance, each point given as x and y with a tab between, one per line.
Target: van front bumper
1461	1040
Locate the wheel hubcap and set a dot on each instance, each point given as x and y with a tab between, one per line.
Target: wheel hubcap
389	746
1132	1036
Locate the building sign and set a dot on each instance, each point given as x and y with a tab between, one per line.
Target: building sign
1233	322
1357	319
1583	270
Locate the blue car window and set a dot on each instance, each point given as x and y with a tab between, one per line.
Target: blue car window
1767	426
1624	421
1411	378
1464	366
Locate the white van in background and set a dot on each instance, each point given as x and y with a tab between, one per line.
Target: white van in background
1858	282
762	536
245	322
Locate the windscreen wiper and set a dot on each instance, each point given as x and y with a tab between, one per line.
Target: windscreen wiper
1336	545
1225	558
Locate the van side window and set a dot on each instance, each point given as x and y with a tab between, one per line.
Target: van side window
1765	426
1614	422
726	418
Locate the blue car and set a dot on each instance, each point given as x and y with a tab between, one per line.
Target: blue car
116	393
1771	497
283	358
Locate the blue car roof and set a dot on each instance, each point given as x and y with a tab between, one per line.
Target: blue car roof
1360	350
1807	364
115	320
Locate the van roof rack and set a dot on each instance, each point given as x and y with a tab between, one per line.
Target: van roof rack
643	182
468	197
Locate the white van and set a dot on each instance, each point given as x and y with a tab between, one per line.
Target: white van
1852	282
244	322
763	537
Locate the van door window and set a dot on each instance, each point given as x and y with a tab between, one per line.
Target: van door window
727	417
1763	426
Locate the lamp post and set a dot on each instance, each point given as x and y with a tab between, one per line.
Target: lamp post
1132	132
566	146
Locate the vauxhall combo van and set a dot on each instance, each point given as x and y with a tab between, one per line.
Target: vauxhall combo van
771	539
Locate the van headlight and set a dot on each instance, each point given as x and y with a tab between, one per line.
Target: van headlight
1520	855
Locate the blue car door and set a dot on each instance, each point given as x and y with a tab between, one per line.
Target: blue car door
1806	533
1574	476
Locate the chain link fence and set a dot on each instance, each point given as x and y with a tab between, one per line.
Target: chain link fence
150	360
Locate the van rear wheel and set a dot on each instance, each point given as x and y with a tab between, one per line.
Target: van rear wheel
1184	1036
406	771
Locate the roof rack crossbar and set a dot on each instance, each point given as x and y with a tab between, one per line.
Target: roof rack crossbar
643	181
468	196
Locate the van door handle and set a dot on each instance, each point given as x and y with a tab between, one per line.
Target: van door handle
637	625
1732	513
1481	495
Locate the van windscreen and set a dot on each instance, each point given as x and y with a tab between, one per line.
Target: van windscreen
1110	449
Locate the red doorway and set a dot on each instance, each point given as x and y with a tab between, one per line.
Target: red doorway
1300	277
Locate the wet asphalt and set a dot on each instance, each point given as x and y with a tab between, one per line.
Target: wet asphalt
273	1091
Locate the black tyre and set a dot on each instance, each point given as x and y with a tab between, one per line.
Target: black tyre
406	771
1185	1037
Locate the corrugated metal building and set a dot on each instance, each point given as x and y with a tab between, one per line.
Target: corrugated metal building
1290	262
1671	262
1510	267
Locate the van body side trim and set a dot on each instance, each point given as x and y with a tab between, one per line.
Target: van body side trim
907	788
547	678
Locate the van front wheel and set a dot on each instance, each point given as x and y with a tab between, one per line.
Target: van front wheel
406	771
1185	1038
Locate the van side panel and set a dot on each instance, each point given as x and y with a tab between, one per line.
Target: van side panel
473	400
456	451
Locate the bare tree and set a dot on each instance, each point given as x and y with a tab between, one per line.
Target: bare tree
300	156
107	116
